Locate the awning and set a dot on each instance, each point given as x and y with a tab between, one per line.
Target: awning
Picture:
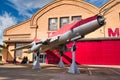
99	39
17	41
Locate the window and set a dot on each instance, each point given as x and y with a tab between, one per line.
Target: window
53	24
18	52
74	18
42	58
63	21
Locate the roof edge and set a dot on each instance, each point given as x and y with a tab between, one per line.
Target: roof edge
54	2
107	4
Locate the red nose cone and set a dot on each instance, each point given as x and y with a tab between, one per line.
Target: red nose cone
36	39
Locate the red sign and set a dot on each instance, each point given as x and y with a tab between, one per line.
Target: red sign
50	34
114	33
111	32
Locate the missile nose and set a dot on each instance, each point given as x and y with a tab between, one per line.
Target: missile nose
101	20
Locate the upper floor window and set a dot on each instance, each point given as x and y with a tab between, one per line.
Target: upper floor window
63	21
75	18
53	24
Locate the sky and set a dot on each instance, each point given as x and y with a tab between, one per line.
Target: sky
15	11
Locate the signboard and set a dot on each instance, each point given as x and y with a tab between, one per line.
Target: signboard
113	32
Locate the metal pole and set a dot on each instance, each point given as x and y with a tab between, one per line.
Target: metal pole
36	64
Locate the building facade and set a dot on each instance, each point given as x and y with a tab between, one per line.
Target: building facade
98	47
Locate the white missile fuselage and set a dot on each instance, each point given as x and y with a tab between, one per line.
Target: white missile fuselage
76	31
68	33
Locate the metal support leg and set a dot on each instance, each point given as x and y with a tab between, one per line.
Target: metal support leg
36	64
61	63
73	68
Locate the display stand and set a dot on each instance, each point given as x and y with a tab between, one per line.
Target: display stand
73	68
36	63
61	63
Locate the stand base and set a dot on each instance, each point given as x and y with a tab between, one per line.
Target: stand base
36	64
73	69
61	63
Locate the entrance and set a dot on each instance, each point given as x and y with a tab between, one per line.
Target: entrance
42	58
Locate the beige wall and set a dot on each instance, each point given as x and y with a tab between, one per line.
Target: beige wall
19	31
57	12
63	8
113	20
7	54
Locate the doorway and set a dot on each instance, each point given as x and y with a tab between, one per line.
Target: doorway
42	58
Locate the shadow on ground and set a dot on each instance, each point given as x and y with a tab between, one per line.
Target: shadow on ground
52	72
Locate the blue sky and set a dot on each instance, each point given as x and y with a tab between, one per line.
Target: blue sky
15	11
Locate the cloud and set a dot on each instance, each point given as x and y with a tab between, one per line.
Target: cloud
6	20
97	3
27	7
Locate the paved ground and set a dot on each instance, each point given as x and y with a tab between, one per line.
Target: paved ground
52	72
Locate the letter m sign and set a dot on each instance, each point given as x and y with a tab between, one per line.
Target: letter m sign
113	33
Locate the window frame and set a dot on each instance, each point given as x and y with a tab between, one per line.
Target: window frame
76	16
49	28
63	18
